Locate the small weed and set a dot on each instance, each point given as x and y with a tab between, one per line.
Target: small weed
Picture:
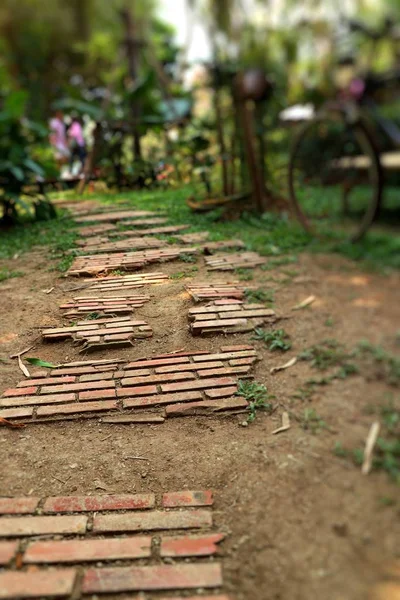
311	421
256	395
92	316
339	451
273	340
266	296
117	273
278	262
329	322
8	274
329	353
188	258
387	501
387	365
178	275
244	274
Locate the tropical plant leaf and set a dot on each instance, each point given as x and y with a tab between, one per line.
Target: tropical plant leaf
38	362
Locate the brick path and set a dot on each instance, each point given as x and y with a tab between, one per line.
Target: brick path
230	262
81	305
138	542
229	316
184	383
216	291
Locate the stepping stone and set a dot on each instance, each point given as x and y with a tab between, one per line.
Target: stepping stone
215	291
230	262
167	229
81	305
210	247
126	261
100	333
137	243
92	230
123	282
193	238
120	388
117	215
139	527
229	316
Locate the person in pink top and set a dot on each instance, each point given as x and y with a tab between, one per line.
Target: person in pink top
58	138
76	142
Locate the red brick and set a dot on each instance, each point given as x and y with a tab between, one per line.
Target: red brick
20	391
221	392
143	390
237	348
151	521
18	506
205	407
47	380
37	584
157	362
181	354
105	502
224	371
162	399
225	355
69	551
76	407
7	552
196	385
135	373
204	545
218	597
242	361
97	394
16	413
22	526
96	377
191	367
188	498
160	577
22	401
157	378
77	387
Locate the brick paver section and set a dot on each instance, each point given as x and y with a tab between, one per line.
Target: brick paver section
125	261
29	562
118	305
235	316
230	262
123	282
92	230
18	506
130	243
199	380
108	331
122	215
216	291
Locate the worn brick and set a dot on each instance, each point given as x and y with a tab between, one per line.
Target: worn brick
21	391
191	367
22	526
77	387
222	392
148	578
205	407
70	551
76	407
213	597
225	355
164	377
157	362
204	545
96	377
25	401
7	552
242	361
16	413
224	371
15	506
143	390
196	385
37	584
97	394
162	399
93	503
236	348
47	380
141	418
188	498
152	521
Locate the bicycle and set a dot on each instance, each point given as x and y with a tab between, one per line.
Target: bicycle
335	166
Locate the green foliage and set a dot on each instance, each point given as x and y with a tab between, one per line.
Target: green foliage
259	295
256	395
8	274
273	340
387	364
38	362
329	353
244	274
311	421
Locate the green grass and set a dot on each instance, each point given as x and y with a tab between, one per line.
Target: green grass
8	274
265	296
311	421
257	396
270	234
277	339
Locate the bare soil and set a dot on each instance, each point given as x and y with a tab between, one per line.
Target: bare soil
303	524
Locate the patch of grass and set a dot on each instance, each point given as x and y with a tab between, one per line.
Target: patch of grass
244	274
8	274
188	258
329	322
92	316
256	395
386	365
265	296
277	339
117	273
329	353
311	421
279	262
178	275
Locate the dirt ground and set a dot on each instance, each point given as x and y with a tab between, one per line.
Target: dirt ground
303	524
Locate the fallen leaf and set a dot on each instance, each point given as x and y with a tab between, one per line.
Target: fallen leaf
290	363
23	367
305	303
40	363
8	423
369	447
285	424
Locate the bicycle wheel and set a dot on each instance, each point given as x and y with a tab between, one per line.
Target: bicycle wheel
335	178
